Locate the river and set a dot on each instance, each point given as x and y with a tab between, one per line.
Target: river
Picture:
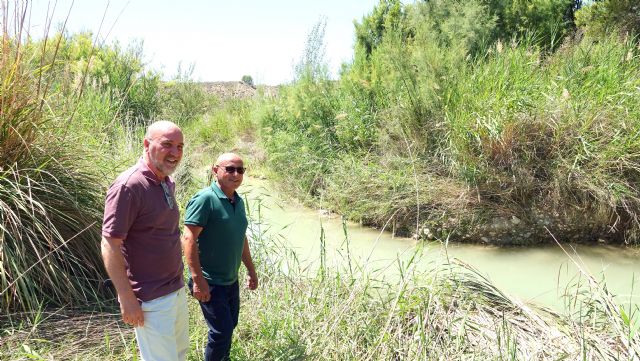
534	274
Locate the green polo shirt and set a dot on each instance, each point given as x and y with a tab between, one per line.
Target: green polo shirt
223	231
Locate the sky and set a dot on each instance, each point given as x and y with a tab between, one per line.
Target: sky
222	39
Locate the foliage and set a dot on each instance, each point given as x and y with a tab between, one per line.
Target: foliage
543	22
482	132
303	118
307	131
606	16
452	24
49	204
313	67
385	17
184	100
118	73
247	79
546	22
450	313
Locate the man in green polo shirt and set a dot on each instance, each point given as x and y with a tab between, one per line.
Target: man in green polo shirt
214	243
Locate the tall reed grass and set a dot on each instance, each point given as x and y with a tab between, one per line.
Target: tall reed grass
49	196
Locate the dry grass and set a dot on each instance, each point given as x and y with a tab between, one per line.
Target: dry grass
66	334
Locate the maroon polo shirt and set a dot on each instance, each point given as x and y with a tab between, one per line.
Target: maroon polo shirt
136	210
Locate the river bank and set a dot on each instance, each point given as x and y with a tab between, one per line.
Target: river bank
479	136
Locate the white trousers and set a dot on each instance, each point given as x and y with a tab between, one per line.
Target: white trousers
165	334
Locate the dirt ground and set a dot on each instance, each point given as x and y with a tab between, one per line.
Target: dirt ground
238	89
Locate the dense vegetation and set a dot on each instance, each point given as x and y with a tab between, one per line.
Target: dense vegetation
72	113
489	121
476	120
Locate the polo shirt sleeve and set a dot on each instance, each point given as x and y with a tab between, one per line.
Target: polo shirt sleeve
120	210
198	210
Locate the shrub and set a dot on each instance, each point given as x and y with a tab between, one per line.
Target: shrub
111	70
247	79
603	17
300	123
184	100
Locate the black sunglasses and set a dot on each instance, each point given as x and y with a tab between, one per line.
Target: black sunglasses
230	170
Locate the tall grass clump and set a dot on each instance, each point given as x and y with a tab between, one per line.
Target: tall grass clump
86	65
301	122
456	316
119	74
553	135
184	100
225	123
49	198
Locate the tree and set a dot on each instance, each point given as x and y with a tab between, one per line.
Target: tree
370	31
247	79
545	21
603	17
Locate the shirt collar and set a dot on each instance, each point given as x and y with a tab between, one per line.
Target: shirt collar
218	191
148	173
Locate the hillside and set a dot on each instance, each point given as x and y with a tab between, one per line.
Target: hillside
238	89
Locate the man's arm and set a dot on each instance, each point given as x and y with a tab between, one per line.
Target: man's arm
252	278
114	263
192	255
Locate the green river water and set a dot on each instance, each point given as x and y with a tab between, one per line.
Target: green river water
534	274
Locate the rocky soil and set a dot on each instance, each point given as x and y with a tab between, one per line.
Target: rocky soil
238	89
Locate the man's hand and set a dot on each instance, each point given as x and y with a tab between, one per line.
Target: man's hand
252	281
114	263
201	289
131	312
252	276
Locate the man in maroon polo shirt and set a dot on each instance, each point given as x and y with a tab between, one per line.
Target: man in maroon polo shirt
141	247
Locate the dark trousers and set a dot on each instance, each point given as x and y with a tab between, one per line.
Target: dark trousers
221	314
